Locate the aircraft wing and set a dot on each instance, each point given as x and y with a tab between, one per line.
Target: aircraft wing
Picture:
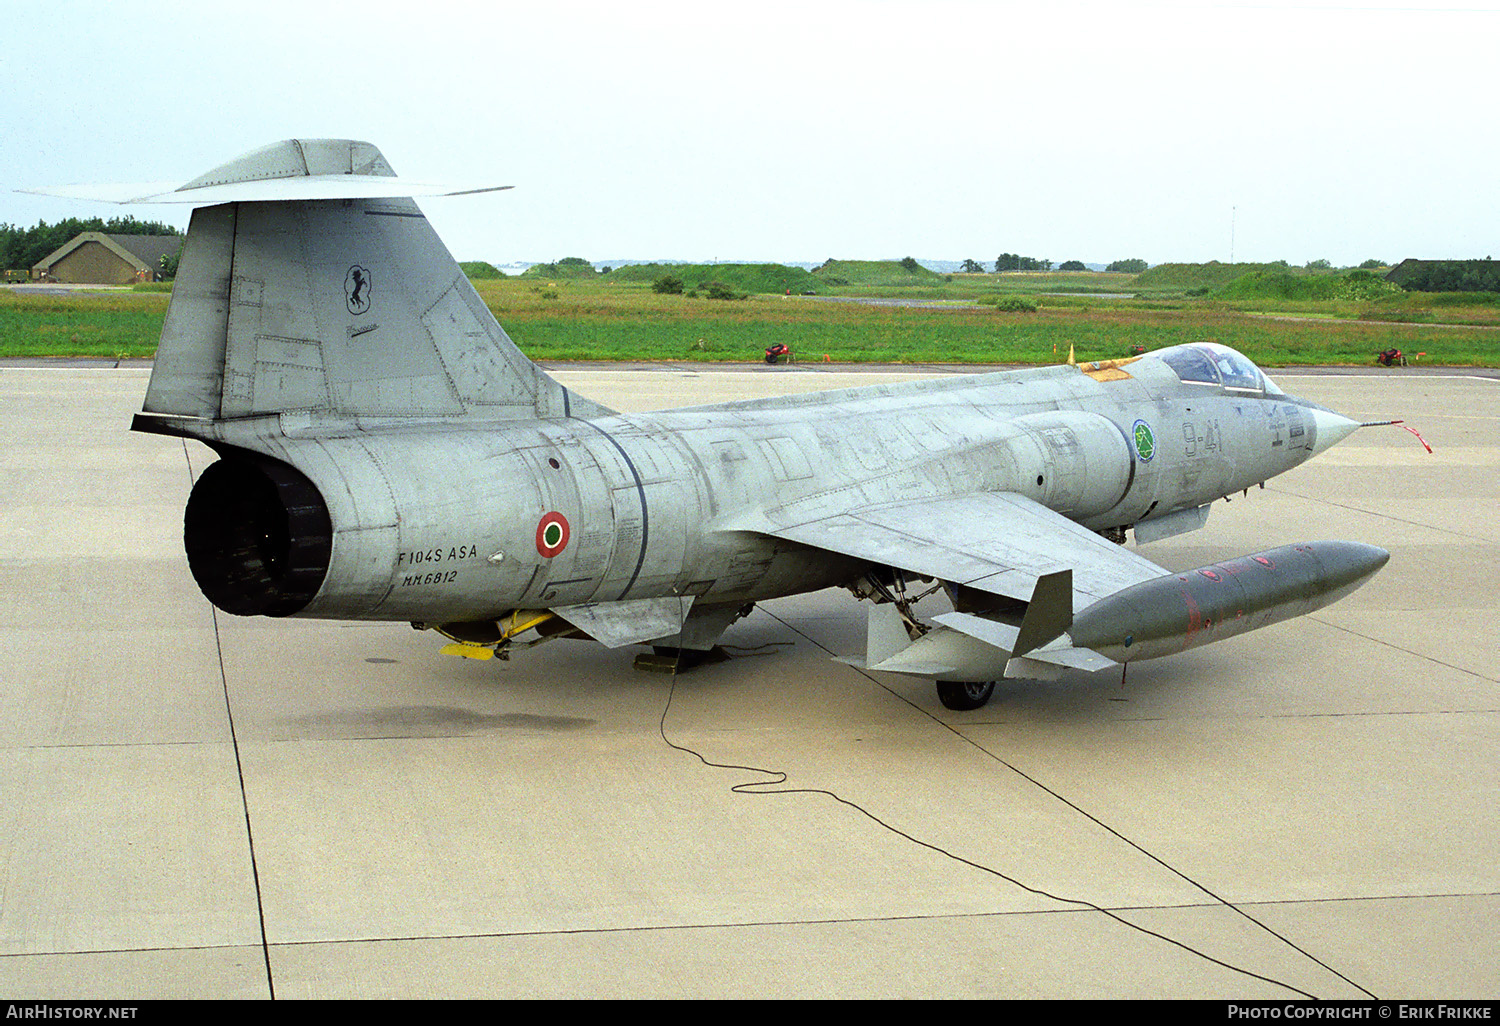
998	542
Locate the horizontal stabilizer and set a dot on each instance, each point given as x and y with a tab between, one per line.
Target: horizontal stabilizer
617	624
307	187
293	169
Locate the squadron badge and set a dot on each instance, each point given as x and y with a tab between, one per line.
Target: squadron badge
357	289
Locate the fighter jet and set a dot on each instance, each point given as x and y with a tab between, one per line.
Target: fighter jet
387	453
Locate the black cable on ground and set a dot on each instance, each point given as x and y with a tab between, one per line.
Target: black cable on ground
771	786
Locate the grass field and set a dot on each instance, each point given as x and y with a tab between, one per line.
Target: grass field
603	320
113	323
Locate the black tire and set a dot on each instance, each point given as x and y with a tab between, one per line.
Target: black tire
964	696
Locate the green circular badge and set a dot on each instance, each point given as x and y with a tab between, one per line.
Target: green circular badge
1145	441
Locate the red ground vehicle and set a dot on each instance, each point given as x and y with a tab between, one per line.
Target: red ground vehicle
776	352
1390	358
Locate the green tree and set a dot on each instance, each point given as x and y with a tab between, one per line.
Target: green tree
567	267
1016	262
1133	265
1453	276
667	285
910	264
973	267
1072	265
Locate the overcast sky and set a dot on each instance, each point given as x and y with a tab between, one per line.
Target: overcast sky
941	129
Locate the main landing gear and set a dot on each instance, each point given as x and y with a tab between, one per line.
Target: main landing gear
889	585
964	696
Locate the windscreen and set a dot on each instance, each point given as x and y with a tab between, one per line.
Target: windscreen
1191	364
1235	370
1212	364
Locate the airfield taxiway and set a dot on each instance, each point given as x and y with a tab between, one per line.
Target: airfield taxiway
198	805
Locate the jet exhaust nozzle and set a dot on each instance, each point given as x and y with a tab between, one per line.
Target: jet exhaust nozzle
258	536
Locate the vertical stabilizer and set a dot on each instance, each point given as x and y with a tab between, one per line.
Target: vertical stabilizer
347	308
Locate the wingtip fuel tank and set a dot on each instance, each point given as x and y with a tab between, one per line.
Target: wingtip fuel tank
1177	612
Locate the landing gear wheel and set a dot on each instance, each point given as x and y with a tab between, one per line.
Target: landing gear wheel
964	695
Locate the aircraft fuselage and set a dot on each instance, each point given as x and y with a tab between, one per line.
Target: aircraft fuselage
461	523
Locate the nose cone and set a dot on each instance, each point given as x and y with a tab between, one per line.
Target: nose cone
1329	429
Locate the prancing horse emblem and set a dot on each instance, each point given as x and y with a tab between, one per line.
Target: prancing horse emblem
357	289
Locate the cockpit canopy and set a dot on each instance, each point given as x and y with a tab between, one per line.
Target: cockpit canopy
1208	363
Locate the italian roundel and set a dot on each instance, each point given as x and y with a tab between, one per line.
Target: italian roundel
552	533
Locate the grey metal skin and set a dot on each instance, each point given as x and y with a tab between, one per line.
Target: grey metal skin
388	454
